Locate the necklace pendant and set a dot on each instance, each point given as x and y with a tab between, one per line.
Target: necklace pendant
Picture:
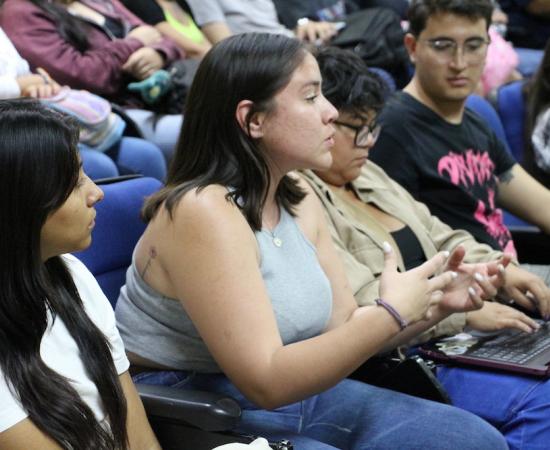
277	242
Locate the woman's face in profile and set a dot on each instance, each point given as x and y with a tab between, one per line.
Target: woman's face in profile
69	228
298	132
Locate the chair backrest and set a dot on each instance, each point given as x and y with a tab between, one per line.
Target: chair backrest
488	112
117	230
511	109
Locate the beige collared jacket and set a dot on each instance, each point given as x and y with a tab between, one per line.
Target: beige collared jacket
360	242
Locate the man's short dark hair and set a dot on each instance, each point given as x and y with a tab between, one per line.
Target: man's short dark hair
421	10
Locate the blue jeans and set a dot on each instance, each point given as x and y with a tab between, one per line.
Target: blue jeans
161	129
96	164
134	155
519	406
129	155
351	415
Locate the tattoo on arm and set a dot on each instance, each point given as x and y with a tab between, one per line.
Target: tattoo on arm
152	255
506	177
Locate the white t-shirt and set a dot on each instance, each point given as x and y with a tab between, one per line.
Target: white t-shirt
60	352
11	67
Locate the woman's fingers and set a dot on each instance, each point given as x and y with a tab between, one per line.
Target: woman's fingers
488	290
32	91
440	282
435	298
517	324
456	258
521	299
538	295
433	265
475	298
505	259
512	318
45	75
528	321
390	260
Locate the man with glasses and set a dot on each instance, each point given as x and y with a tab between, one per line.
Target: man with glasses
445	155
365	208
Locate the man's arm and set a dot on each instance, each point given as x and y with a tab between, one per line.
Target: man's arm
216	31
192	49
525	197
210	16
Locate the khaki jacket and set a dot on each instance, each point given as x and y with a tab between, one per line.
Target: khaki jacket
360	243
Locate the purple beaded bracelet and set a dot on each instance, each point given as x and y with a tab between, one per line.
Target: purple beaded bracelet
393	312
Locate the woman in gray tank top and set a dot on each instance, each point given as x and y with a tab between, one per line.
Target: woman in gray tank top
235	285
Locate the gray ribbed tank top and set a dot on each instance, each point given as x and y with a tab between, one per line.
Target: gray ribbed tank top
158	328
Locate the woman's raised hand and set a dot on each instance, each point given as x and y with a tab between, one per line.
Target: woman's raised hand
415	291
473	284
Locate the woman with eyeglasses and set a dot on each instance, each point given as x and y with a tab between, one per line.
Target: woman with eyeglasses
236	288
366	208
64	381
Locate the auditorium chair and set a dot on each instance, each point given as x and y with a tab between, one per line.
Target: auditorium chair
181	419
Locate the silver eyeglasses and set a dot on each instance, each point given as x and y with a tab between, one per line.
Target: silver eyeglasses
473	49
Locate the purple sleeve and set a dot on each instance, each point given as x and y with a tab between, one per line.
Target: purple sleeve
35	35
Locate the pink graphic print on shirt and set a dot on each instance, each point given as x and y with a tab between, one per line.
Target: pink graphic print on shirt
473	168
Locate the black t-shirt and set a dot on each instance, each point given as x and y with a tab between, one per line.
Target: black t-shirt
451	168
147	10
409	247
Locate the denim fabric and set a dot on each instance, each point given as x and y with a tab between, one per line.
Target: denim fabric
96	164
351	415
162	130
134	155
129	155
519	406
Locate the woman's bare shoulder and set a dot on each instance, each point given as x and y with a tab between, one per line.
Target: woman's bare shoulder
209	203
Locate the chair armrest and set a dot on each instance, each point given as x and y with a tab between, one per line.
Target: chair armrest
205	410
532	245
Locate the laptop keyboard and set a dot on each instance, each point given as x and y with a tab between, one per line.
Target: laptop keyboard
516	347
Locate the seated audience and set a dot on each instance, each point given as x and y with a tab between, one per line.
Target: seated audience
235	286
219	19
445	155
365	208
132	155
222	18
172	21
98	46
290	11
64	379
536	158
374	33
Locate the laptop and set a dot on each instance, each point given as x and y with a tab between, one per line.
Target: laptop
508	350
